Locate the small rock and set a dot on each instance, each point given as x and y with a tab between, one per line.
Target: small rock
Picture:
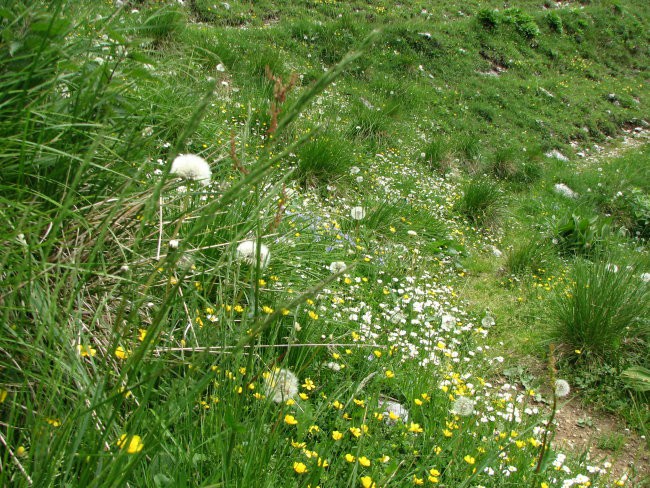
557	155
564	190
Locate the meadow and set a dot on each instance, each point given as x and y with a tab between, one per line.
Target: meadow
322	243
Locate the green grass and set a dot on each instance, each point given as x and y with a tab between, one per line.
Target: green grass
139	349
603	308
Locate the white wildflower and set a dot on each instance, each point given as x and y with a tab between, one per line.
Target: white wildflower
192	167
173	244
333	366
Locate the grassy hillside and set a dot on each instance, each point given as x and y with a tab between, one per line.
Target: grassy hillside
321	243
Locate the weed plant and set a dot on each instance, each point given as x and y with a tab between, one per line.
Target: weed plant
580	235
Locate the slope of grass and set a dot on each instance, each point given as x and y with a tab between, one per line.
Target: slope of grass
142	346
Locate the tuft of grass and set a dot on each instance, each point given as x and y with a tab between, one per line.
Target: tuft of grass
323	160
482	201
602	313
370	126
516	166
529	257
163	22
436	153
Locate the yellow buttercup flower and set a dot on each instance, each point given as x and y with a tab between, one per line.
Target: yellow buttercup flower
299	468
121	353
366	482
337	436
364	461
356	432
132	444
86	351
290	420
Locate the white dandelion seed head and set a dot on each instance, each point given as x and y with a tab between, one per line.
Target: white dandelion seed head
337	267
354	170
192	167
645	277
247	253
281	385
562	388
487	321
357	213
463	407
173	244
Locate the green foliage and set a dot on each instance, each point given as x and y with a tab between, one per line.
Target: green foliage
481	202
579	235
602	312
323	160
369	125
517	166
635	212
555	22
637	378
488	18
436	153
528	258
163	22
127	308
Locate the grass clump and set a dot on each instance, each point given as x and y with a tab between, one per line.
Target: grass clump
163	22
435	154
482	201
603	313
516	166
323	160
529	257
